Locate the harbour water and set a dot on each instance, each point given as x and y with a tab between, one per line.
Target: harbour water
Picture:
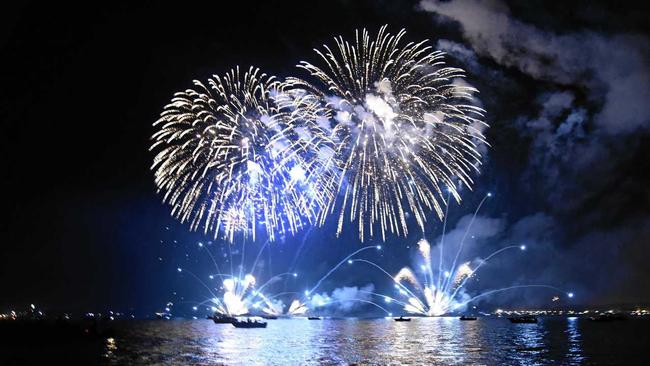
422	341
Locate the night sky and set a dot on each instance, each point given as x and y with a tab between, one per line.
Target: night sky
566	87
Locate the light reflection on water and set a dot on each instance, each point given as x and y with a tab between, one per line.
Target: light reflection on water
574	352
431	341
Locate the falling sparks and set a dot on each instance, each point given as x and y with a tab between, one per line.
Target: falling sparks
384	128
404	128
239	152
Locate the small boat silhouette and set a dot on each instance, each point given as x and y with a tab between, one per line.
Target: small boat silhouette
248	323
314	318
402	319
466	317
222	319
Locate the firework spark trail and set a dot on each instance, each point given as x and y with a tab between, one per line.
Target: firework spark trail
462	241
404	273
481	263
238	292
404	127
241	262
259	253
378	247
275	278
491	292
396	278
299	251
214	262
386	298
240	151
230	261
282	294
442	239
292	266
425	250
197	278
270	263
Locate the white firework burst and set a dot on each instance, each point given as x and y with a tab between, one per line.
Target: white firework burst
240	151
405	127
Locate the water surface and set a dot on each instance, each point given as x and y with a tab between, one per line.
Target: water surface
423	341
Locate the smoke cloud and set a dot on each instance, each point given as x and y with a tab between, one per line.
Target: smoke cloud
343	299
582	120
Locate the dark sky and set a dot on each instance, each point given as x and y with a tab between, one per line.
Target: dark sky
566	87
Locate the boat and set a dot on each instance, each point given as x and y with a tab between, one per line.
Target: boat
269	317
466	317
163	316
314	318
248	323
607	317
526	319
222	319
402	319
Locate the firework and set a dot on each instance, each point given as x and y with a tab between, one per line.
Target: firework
234	300
238	292
276	308
404	126
297	308
240	151
439	288
437	291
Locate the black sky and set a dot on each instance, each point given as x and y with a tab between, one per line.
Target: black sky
80	87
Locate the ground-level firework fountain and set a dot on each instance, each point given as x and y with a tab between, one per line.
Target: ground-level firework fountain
239	293
439	287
